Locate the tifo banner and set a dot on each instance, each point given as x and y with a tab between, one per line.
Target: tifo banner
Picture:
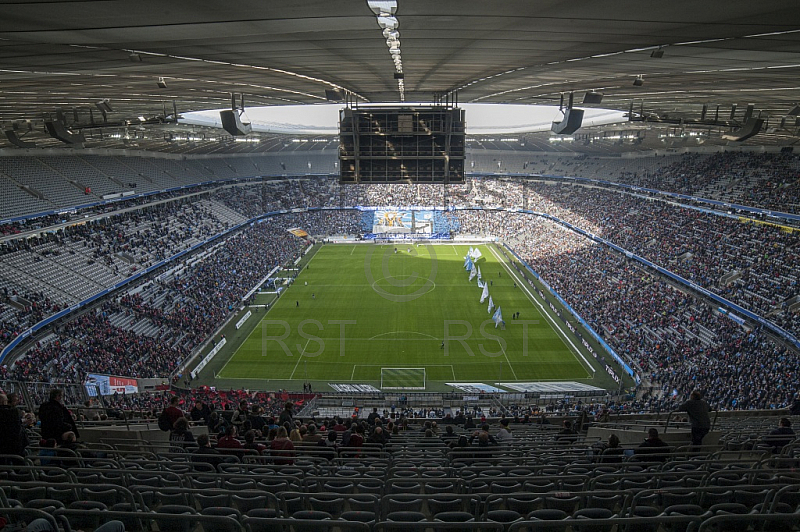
109	384
296	231
400	221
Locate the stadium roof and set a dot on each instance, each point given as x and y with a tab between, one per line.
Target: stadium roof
73	55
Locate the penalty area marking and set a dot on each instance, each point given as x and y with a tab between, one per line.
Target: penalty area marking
426	366
556	326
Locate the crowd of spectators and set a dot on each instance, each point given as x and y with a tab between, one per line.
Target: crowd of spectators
673	337
678	341
183	308
752	265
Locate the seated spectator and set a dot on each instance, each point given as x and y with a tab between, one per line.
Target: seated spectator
312	436
180	436
206	454
282	448
329	445
567	434
504	435
229	444
653	449
780	437
250	442
611	452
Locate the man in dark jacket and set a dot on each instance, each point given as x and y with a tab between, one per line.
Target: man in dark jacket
55	418
12	436
697	410
653	449
780	437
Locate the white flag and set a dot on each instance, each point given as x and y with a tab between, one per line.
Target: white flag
485	293
491	304
476	254
472	274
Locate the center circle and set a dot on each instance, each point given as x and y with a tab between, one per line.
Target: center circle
379	289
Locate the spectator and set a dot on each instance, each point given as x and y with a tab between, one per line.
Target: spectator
282	448
180	436
567	434
200	413
250	442
56	419
653	449
173	413
206	454
611	452
504	435
13	439
697	410
286	415
780	437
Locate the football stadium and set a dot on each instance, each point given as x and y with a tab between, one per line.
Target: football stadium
382	264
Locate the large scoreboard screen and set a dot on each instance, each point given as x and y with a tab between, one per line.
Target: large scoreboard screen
401	144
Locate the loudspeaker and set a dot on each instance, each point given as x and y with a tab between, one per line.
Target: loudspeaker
593	97
749	129
162	83
573	118
232	123
333	95
18	142
58	130
638	82
399	75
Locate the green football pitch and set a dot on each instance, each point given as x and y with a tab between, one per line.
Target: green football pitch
355	309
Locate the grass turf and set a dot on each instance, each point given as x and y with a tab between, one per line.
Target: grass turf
354	311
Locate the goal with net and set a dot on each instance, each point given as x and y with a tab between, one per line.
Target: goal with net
402	378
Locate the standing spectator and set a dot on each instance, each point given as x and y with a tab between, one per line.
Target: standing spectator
286	416
257	421
697	410
173	411
373	416
200	412
55	418
12	436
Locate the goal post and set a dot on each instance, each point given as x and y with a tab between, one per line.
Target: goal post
403	378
